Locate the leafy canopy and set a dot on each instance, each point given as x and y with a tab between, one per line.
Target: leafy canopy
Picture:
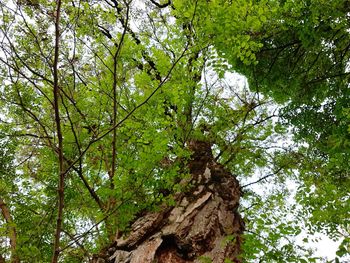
136	81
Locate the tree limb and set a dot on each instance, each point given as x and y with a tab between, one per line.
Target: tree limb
56	94
161	5
263	178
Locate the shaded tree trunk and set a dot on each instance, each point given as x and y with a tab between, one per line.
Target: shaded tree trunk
203	225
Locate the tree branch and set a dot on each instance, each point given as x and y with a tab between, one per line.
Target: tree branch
79	170
126	117
161	5
56	94
263	178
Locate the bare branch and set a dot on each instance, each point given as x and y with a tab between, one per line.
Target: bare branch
264	177
105	32
161	5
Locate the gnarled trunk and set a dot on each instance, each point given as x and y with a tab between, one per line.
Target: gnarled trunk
203	225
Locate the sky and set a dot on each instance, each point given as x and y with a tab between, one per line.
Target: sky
324	247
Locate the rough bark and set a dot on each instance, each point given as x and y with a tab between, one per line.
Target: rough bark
204	224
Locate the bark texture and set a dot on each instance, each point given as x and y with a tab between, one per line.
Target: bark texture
203	225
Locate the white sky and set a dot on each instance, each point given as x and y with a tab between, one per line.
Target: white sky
325	247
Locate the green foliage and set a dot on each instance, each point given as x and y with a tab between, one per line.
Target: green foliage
136	84
204	259
298	56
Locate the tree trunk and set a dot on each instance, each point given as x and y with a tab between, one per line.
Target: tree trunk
62	172
204	226
12	231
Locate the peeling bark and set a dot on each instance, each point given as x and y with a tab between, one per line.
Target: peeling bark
204	223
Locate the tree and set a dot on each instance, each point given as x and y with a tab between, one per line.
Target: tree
106	106
298	54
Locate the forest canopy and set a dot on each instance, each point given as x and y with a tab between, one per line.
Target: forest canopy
102	101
